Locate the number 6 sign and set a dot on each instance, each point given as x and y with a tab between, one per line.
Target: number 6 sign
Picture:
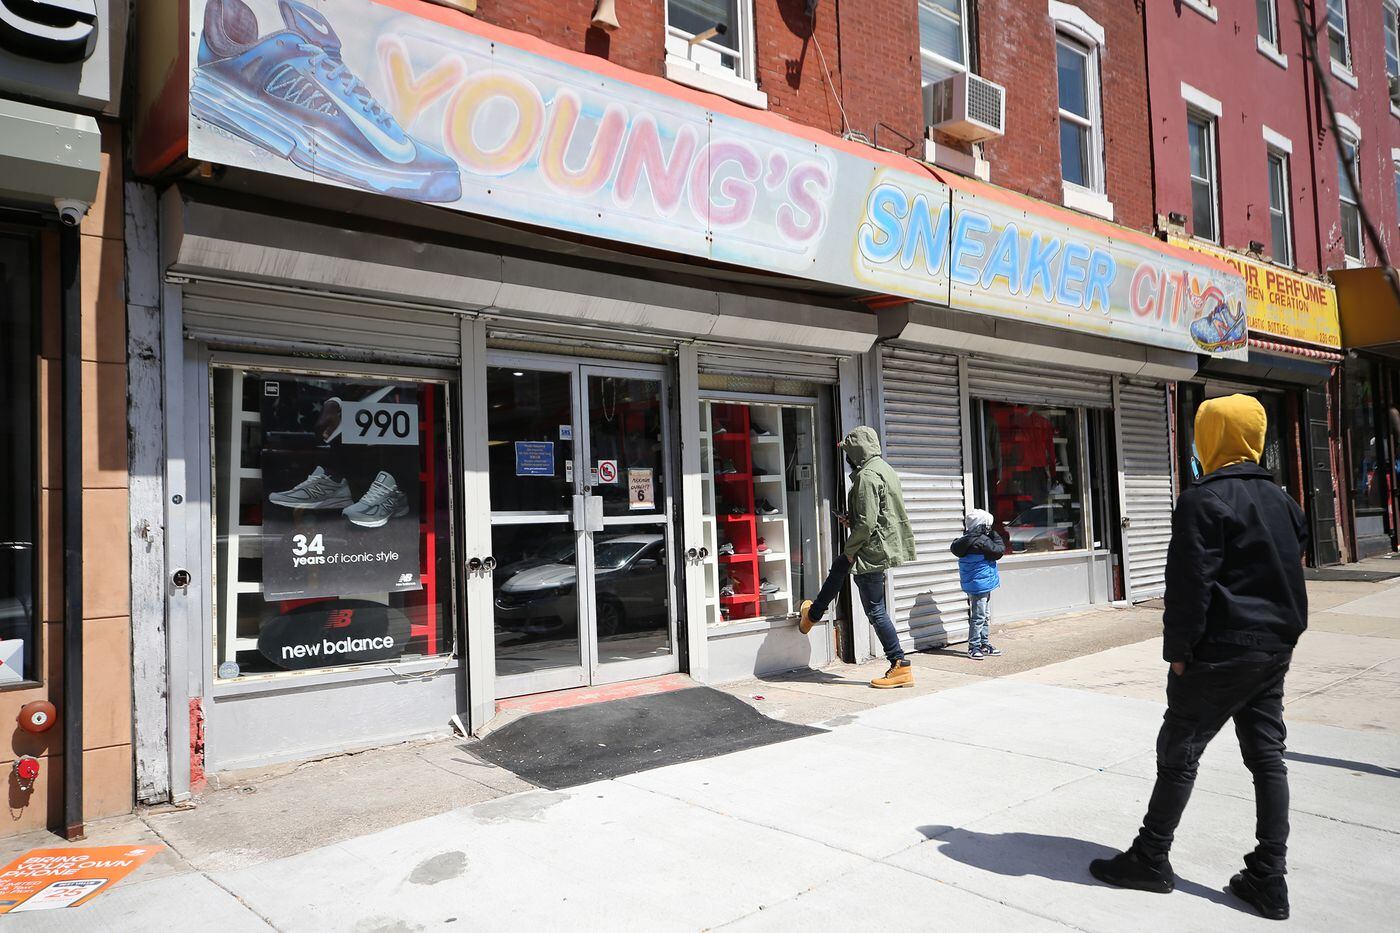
378	423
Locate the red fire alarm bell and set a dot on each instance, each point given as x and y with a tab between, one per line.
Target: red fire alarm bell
37	716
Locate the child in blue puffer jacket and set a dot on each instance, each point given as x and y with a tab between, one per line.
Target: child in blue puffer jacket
978	552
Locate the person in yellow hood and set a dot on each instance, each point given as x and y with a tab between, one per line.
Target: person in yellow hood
1235	607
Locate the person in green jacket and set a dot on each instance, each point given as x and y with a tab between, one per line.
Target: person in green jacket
879	538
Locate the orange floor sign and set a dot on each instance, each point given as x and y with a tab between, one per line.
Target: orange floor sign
48	879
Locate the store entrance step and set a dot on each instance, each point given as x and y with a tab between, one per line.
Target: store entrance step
568	747
1348	575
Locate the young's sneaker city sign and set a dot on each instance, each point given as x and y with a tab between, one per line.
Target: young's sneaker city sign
426	104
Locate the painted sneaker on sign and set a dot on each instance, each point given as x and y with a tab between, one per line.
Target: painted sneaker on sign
291	93
1220	329
317	491
382	501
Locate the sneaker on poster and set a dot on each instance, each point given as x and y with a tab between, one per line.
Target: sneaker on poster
767	508
763	547
382	501
291	93
317	491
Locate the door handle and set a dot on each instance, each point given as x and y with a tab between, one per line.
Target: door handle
704	553
692	554
488	563
474	565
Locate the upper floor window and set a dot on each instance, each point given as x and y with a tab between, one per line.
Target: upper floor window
725	48
1347	166
1280	217
942	39
1267	13
1390	14
1205	179
1081	128
1338	41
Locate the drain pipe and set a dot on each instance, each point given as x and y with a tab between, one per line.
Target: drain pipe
68	246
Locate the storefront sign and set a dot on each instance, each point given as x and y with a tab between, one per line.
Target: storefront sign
1281	303
49	30
51	879
534	458
641	490
340	487
332	633
462	114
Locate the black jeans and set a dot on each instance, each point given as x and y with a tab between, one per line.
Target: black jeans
1247	688
871	587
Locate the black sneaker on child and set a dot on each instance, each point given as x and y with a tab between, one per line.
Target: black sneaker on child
1130	870
1266	894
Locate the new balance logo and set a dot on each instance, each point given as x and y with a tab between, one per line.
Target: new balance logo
290	85
405	578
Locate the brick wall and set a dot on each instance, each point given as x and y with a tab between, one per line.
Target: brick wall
1016	44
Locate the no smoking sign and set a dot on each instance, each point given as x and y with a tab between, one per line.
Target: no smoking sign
607	471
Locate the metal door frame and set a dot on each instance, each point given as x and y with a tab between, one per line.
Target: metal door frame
589	671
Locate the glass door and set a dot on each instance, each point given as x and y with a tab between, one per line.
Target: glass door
580	523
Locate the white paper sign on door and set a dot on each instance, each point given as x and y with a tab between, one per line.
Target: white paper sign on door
641	490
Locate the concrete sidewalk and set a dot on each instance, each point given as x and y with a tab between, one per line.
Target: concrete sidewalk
974	805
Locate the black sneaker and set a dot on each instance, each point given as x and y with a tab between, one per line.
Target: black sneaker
991	651
1128	870
1268	895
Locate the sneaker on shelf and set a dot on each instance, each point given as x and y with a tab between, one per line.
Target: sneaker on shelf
290	92
763	547
767	508
991	651
721	429
382	501
760	431
727	587
726	467
317	491
726	550
974	654
768	589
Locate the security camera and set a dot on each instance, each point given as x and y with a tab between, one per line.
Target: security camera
71	211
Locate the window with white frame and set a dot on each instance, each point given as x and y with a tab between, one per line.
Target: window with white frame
727	50
1390	28
1267	13
1280	216
943	39
1338	41
1205	179
1081	127
1347	164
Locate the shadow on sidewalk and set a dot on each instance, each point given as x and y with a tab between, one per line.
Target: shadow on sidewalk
1057	858
1363	767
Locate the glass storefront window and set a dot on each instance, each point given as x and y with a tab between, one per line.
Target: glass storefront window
1274	456
1368	469
18	647
1029	474
759	483
333	503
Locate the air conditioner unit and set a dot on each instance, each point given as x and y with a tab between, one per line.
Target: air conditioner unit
1395	90
966	107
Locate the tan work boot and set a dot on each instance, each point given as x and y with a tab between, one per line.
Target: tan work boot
900	674
805	624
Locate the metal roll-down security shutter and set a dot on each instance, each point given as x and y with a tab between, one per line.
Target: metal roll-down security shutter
923	442
239	317
1145	450
1028	382
715	359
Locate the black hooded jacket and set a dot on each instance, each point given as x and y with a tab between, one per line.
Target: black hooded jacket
1235	566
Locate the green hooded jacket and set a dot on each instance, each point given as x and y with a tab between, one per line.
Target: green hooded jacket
880	537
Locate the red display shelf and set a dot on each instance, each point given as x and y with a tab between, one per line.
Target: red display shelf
729	477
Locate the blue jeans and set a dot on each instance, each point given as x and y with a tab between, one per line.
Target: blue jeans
871	587
977	620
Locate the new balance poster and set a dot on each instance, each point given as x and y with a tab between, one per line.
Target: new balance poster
340	465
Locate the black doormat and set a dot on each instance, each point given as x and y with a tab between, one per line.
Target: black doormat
1340	575
568	747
